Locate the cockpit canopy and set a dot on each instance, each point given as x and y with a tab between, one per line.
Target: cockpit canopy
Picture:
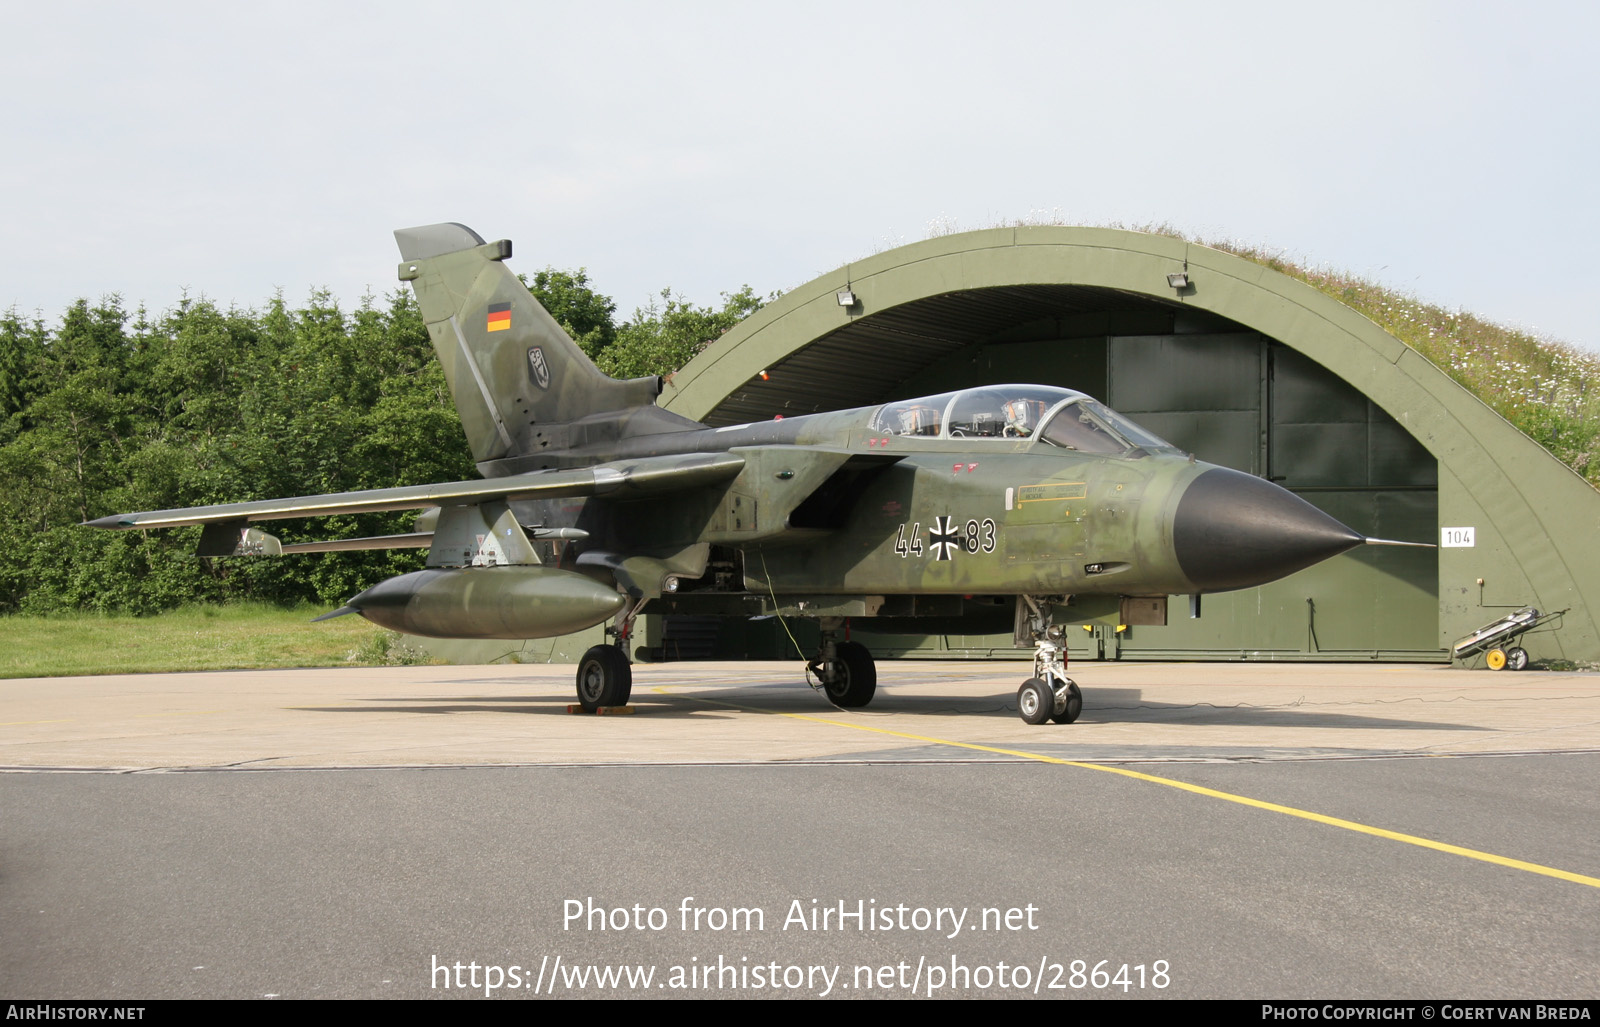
1058	417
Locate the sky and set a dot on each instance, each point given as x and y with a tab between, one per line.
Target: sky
234	151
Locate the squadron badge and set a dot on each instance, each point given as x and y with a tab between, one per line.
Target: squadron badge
540	369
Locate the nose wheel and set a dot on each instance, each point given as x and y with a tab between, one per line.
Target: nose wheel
1069	703
1039	700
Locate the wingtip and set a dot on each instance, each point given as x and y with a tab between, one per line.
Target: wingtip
110	521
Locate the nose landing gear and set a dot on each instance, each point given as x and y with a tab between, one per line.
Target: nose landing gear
1049	694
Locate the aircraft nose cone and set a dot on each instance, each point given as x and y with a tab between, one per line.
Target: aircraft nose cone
1234	530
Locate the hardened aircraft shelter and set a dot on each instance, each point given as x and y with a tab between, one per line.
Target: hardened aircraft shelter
1237	363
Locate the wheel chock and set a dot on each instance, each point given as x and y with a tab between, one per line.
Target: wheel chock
603	711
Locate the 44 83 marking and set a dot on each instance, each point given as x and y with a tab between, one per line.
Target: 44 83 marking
946	538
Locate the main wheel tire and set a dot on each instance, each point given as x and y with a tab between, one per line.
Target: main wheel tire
1517	658
1073	707
1036	701
855	676
1496	659
605	678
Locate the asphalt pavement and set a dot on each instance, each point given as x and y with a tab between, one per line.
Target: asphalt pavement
1204	830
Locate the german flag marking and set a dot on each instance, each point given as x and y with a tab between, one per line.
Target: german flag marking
499	317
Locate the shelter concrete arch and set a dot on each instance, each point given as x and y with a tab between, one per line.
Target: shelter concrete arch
1536	521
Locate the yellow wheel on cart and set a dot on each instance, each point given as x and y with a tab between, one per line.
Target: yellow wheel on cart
1496	659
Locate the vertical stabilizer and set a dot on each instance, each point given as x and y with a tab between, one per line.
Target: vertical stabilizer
517	378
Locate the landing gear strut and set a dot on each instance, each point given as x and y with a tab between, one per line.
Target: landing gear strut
605	675
1049	694
845	669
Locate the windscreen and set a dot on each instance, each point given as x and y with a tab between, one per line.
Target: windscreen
1091	427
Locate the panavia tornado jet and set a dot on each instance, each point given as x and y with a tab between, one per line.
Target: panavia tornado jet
1026	505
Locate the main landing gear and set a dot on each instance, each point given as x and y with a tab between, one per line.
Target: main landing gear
846	670
1049	694
605	674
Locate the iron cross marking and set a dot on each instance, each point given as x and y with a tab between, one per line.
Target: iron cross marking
944	538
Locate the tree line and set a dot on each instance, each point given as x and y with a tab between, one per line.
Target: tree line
112	410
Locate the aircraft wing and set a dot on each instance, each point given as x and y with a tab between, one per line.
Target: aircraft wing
622	478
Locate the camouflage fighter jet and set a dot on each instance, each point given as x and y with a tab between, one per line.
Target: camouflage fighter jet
1026	505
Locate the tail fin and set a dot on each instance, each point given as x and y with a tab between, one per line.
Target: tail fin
518	380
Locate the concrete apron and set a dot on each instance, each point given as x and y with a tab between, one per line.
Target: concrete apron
686	713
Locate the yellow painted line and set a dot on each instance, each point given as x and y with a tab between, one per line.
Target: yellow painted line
16	723
1243	800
